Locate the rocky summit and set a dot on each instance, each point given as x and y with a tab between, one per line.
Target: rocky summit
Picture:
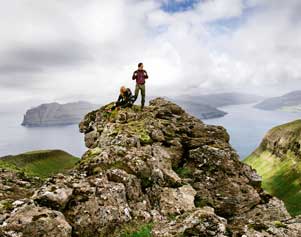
161	172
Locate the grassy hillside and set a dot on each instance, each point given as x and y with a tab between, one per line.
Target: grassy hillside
277	160
43	163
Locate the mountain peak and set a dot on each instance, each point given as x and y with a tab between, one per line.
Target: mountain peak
160	171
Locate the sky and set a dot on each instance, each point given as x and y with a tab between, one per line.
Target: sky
70	50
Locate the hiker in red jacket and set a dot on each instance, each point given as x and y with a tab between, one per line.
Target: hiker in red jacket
140	76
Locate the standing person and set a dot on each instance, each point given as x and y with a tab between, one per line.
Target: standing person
140	76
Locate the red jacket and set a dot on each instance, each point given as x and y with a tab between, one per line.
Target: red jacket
140	76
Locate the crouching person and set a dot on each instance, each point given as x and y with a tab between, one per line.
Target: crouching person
125	99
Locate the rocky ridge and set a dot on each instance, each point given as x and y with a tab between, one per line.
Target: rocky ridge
161	166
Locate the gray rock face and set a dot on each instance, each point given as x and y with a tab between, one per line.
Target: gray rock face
177	201
200	222
30	220
184	179
14	187
57	114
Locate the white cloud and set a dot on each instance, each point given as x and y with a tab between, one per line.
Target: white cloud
219	9
63	50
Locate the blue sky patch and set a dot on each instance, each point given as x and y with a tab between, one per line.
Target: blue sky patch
227	25
172	6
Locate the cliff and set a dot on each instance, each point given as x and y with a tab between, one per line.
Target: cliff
54	114
277	160
160	172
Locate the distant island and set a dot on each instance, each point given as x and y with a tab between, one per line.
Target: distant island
202	106
207	106
54	114
201	110
290	102
218	100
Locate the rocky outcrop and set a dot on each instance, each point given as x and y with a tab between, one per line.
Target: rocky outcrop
57	114
163	167
14	187
32	220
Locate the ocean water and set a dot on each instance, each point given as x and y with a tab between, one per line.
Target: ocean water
245	124
248	125
15	139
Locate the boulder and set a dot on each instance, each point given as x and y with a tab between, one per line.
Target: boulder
201	222
30	220
177	201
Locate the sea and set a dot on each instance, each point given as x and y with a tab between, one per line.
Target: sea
245	124
16	139
248	125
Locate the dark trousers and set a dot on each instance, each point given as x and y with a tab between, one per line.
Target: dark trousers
141	88
124	103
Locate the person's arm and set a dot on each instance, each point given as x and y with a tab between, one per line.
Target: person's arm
134	77
145	75
119	99
129	93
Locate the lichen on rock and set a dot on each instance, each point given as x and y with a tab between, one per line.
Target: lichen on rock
163	168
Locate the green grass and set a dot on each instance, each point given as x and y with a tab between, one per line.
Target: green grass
293	126
133	228
184	172
143	231
43	163
280	177
135	128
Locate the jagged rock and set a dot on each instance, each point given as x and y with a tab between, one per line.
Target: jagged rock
177	201
30	220
55	196
201	222
131	182
160	166
157	135
95	211
15	184
90	139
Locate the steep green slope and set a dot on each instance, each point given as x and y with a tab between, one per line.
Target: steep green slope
278	161
43	163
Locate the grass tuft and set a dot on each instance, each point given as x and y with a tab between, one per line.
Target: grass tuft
144	231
